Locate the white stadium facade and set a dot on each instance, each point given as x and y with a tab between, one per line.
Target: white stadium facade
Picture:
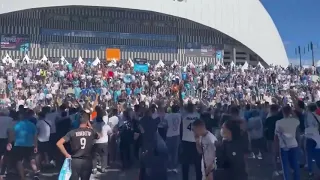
185	30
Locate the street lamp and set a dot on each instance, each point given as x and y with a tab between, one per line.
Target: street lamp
298	52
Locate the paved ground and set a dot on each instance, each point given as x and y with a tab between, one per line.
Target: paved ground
258	170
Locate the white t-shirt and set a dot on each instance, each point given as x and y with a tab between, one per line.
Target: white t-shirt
173	122
208	148
286	131
43	131
187	120
6	123
103	129
113	121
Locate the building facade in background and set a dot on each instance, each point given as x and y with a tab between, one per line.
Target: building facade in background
116	33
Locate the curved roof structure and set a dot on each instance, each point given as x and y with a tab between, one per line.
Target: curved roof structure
246	21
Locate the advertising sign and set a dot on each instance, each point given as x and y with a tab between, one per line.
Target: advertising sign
15	42
140	65
219	54
113	54
201	49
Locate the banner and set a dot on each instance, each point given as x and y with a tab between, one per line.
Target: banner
140	65
15	42
113	54
201	49
219	55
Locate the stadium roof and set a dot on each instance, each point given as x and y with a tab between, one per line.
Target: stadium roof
246	21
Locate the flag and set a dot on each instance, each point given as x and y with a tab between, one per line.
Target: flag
311	46
65	172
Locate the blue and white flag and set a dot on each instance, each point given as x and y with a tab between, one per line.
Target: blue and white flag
65	172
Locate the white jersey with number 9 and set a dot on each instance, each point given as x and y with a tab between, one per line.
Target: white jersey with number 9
187	121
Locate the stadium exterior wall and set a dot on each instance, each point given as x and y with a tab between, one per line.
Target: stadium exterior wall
244	20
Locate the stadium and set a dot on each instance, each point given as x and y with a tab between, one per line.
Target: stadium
182	30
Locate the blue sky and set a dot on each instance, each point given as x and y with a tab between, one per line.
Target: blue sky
298	22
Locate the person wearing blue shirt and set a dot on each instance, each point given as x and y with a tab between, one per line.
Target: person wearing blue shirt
105	83
24	136
184	76
183	94
137	91
77	92
116	95
128	91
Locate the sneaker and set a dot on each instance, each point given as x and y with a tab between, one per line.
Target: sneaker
259	156
169	170
175	171
310	176
53	163
275	173
36	178
104	170
252	156
94	171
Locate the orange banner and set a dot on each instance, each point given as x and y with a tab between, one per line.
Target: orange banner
113	54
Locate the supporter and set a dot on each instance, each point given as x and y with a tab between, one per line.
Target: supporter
162	126
100	148
6	124
173	137
25	144
205	142
312	125
112	146
231	153
189	154
269	126
82	142
287	129
43	129
52	118
255	130
154	153
126	137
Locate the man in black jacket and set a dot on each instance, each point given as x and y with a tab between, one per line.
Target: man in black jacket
154	150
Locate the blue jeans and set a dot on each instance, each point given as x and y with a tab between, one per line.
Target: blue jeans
173	149
312	154
290	158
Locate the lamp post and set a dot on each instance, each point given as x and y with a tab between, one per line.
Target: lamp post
312	53
298	52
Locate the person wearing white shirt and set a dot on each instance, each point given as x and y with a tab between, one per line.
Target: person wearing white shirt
189	154
285	134
112	142
173	121
43	137
101	145
52	118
